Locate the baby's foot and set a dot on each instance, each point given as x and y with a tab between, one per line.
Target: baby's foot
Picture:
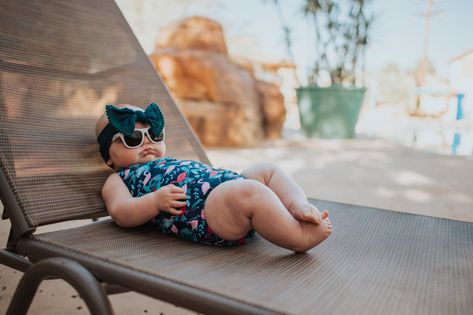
315	234
307	212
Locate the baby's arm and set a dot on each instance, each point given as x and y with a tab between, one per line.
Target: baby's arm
129	211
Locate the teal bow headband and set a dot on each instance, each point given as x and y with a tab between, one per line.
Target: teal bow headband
123	120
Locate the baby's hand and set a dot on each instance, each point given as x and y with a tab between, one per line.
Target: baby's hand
168	197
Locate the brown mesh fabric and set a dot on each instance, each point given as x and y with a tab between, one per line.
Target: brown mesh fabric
61	62
375	262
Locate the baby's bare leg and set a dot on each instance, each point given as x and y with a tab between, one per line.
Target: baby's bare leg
233	208
290	194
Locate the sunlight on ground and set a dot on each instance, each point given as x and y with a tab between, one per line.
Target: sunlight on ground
369	172
408	178
417	195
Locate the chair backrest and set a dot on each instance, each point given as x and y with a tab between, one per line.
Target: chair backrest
61	62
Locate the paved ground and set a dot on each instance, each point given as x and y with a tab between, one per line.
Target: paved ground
368	172
365	172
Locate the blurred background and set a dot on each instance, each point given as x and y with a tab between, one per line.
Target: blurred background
234	66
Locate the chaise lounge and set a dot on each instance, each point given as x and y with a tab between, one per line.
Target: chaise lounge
60	63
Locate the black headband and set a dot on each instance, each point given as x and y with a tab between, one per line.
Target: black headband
105	141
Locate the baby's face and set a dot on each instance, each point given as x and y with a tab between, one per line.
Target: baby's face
123	157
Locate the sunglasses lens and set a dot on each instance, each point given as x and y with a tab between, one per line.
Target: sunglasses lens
135	140
156	137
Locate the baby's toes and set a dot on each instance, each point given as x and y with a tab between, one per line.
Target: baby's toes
307	213
327	228
313	214
328	223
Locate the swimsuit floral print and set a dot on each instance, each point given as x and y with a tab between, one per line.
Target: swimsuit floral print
197	180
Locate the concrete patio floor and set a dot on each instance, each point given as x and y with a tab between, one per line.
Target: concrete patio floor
366	172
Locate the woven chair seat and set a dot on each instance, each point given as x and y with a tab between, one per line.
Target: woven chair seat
375	262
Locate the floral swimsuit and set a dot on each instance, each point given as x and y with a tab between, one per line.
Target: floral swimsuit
197	180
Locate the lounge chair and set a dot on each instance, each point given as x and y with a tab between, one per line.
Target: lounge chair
60	63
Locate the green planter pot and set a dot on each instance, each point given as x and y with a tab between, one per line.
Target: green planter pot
329	112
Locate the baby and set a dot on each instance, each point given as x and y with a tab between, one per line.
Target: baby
195	201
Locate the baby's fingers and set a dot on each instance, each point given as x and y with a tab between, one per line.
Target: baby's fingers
178	204
176	189
180	196
174	211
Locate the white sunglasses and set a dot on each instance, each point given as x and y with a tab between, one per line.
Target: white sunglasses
138	137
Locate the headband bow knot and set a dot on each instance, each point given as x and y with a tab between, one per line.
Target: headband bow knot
124	119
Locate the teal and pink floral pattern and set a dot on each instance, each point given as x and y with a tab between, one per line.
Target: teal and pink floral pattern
197	180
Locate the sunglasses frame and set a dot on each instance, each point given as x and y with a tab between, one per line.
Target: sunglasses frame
144	132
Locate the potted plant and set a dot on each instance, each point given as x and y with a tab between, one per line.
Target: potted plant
330	104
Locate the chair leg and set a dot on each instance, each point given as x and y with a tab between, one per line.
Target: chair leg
72	272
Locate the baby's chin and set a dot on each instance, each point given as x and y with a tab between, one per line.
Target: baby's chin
148	158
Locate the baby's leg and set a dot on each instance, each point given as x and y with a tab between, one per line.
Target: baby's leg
290	194
233	208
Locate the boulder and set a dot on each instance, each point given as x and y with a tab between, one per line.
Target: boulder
274	111
216	125
221	98
202	75
244	63
193	33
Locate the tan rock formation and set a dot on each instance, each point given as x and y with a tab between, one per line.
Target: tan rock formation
274	111
245	63
221	98
203	75
218	125
193	33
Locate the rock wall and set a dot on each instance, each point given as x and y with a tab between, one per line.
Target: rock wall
223	101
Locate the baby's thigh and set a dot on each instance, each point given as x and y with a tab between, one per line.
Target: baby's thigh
226	209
